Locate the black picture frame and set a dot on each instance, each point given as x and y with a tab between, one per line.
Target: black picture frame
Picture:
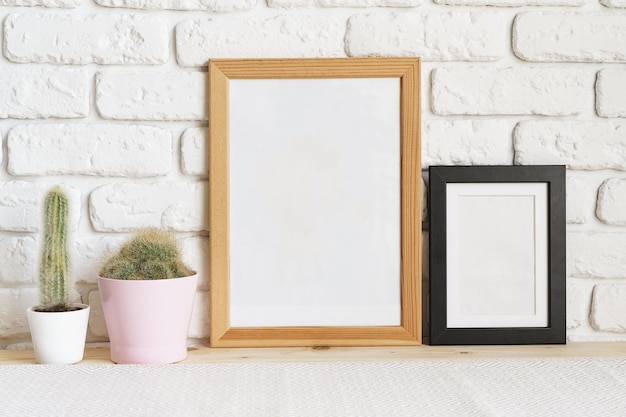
440	177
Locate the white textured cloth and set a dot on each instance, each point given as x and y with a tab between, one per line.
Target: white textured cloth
469	387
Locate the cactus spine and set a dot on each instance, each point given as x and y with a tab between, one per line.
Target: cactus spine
54	271
149	254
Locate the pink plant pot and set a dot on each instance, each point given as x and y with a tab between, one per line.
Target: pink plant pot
148	321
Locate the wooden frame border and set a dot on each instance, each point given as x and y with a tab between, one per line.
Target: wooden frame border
408	71
554	332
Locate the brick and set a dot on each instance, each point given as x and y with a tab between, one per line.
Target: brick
45	3
608	308
13	305
610	98
577	144
195	251
31	93
127	206
19	260
205	5
576	303
513	3
455	36
596	255
195	151
511	91
611	205
570	36
97	324
89	254
21	204
199	325
581	198
152	96
288	36
85	39
343	3
85	149
466	142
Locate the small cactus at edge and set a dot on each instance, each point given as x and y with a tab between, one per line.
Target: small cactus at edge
54	272
149	254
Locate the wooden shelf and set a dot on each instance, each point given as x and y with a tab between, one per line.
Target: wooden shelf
330	354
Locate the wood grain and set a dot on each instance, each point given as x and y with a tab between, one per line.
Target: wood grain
343	354
408	71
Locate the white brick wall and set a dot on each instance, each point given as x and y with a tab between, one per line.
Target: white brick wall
151	96
210	5
457	36
577	144
109	99
570	36
40	93
126	206
277	37
511	91
79	39
102	149
610	97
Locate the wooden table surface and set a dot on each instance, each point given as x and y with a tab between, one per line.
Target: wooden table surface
329	354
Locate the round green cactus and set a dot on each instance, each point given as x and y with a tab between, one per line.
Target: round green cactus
149	254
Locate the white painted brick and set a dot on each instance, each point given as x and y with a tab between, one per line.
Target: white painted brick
85	149
611	206
30	93
610	97
511	91
44	3
195	253
513	3
195	151
288	36
128	206
13	305
152	96
576	302
97	324
19	258
455	36
206	5
614	3
608	308
596	255
84	39
21	204
89	255
570	36
199	325
343	3
466	142
579	145
581	198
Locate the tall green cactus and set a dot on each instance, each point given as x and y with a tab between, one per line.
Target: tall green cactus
54	271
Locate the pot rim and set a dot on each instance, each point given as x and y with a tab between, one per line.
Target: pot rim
81	305
145	280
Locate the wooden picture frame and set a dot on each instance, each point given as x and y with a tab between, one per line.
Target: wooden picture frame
250	111
497	255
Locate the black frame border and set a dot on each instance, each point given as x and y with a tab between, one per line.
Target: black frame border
554	333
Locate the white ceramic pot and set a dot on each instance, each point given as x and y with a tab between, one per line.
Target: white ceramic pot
148	320
59	337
